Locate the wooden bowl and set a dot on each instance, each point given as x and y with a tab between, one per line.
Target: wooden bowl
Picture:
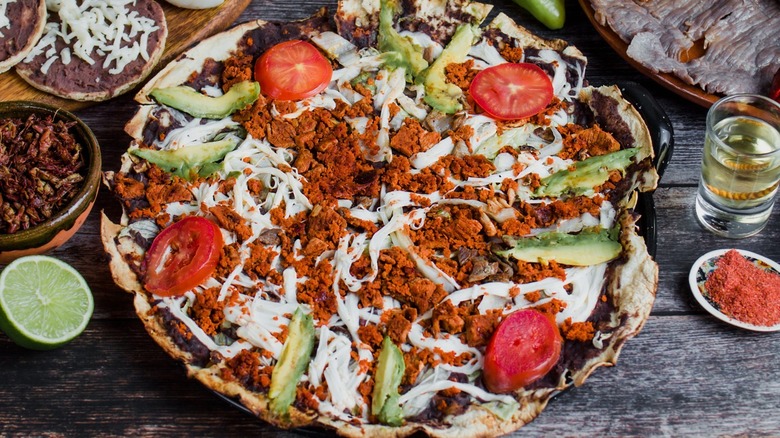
62	225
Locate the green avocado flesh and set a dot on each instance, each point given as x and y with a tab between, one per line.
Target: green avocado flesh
188	100
197	159
439	94
585	175
292	363
389	371
399	51
588	247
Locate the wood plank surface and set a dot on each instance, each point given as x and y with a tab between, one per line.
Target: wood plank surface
666	384
185	27
686	374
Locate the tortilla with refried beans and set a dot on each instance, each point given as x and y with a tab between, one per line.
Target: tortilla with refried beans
112	66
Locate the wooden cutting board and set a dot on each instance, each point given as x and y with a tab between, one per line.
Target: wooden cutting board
185	27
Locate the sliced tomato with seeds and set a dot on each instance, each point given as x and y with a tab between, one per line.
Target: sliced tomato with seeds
292	70
523	349
182	256
512	90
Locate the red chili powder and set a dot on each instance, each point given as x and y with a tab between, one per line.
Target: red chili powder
744	291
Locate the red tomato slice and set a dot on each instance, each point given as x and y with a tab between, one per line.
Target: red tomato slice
292	70
182	256
512	91
524	347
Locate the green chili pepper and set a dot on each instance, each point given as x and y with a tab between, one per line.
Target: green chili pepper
550	12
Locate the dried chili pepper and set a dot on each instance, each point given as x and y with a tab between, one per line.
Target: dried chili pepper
40	165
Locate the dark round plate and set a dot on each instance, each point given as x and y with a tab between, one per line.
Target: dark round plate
662	135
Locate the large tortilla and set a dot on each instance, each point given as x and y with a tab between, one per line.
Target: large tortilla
631	281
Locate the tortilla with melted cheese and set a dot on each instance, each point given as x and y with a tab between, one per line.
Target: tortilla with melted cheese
625	297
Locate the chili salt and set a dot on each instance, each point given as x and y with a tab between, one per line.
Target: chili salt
744	291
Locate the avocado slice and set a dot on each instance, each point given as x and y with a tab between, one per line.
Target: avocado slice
186	99
438	93
398	51
589	247
389	372
292	362
585	174
185	161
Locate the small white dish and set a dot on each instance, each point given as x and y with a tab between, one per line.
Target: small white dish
702	269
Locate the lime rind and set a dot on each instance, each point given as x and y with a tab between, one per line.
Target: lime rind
44	302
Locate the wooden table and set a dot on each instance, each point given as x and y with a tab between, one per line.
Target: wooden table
685	374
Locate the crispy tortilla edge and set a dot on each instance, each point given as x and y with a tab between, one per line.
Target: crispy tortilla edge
508	26
123	276
217	47
647	180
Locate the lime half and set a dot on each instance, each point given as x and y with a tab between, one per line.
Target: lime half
44	302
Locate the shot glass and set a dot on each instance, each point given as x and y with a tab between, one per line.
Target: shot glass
740	166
